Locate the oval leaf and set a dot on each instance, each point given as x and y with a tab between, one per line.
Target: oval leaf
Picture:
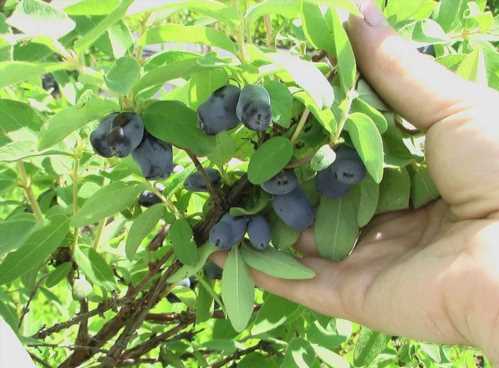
367	140
369	345
238	292
123	75
277	264
184	246
35	251
175	123
336	228
95	267
187	271
107	201
261	168
142	226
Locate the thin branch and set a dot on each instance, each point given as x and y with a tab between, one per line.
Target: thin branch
28	191
217	197
155	341
301	125
39	360
68	347
30	299
236	356
137	319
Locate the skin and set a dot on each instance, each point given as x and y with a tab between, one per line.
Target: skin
430	274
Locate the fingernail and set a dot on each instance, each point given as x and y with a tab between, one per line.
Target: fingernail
372	14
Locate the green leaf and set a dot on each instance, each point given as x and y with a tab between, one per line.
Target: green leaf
329	357
12	72
162	74
184	246
369	197
224	150
37	18
188	34
424	189
94	34
73	118
473	67
211	8
315	27
323	158
260	168
17	115
283	236
15	231
285	8
258	203
204	302
451	13
275	312
299	354
343	51
277	264
368	142
187	271
9	315
58	274
238	291
203	84
401	10
369	345
175	123
107	201
92	7
359	105
395	191
282	103
35	251
141	227
336	228
123	75
308	76
325	116
95	267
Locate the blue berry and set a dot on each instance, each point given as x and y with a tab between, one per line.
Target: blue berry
196	183
259	232
218	113
283	183
154	157
254	108
294	209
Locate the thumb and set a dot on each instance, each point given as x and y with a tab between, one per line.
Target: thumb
413	84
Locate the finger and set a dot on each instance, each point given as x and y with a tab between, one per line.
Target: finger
306	244
415	85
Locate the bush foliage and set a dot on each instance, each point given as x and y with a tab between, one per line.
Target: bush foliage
91	276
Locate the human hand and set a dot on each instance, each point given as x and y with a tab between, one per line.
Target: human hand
430	274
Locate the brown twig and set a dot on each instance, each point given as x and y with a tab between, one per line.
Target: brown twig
237	355
215	193
155	341
137	319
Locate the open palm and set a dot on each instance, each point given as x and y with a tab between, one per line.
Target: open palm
433	273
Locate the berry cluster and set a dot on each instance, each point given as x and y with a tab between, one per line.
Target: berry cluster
230	231
289	201
344	173
122	133
228	106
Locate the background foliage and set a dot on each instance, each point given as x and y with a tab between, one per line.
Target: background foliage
85	271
